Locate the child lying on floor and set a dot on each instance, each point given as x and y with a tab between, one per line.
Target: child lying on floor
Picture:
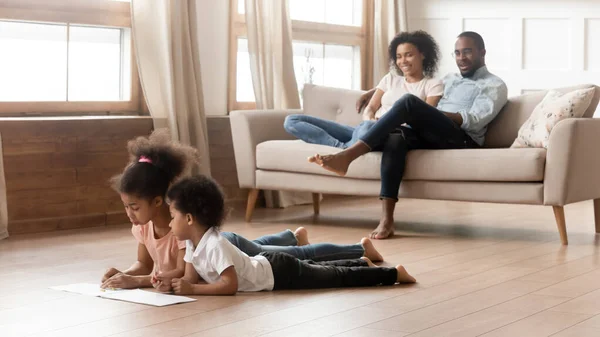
197	209
156	162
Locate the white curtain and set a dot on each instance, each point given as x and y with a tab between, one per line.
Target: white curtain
3	206
165	35
271	63
389	20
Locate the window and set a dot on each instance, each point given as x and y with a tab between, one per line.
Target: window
329	47
67	59
59	62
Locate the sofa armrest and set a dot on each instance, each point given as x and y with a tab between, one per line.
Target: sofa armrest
572	162
250	128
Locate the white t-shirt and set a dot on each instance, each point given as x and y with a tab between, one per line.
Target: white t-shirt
214	254
395	86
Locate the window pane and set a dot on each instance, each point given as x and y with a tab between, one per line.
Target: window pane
95	64
241	6
308	63
339	12
33	62
326	64
244	91
342	67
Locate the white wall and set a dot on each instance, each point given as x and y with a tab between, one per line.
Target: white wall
531	44
213	36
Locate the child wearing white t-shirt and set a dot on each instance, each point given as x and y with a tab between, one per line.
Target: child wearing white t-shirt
197	209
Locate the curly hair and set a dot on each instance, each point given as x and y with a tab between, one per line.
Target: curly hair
155	162
201	197
424	43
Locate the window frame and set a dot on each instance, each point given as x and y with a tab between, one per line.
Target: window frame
304	31
100	13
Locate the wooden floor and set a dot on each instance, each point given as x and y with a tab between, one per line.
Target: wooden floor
483	270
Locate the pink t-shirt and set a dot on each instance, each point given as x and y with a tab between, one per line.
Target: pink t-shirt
394	87
163	251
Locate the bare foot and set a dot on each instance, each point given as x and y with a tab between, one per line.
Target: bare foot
383	231
301	235
370	251
369	262
404	276
336	163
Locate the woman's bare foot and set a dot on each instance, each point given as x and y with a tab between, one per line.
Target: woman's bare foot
384	230
370	251
369	262
336	163
404	276
301	235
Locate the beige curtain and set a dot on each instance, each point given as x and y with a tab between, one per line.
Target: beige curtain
165	34
271	63
389	20
3	206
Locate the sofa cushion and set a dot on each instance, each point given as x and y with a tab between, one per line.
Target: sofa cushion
503	130
554	108
442	165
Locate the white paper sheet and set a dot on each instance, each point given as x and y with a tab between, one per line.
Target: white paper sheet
147	297
89	289
127	295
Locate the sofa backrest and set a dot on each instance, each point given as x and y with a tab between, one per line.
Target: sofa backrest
340	105
331	103
503	130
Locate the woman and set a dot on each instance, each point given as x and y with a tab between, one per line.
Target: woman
414	60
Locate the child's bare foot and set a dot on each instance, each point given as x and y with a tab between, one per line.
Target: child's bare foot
370	251
301	235
368	261
404	276
336	163
384	230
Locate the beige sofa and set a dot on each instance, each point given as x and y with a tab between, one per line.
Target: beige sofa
569	171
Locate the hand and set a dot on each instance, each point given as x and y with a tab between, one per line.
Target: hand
110	273
364	99
181	286
161	283
120	281
369	116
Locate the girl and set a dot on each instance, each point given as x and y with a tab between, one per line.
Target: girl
197	209
156	162
414	60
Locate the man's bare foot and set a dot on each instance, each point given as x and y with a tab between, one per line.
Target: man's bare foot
336	163
369	262
301	235
370	251
404	276
383	231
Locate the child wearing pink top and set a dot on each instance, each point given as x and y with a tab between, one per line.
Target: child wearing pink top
156	163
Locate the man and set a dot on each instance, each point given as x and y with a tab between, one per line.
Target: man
471	100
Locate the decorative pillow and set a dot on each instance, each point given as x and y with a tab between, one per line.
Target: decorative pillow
552	109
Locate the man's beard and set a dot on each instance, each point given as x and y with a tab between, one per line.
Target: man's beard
471	72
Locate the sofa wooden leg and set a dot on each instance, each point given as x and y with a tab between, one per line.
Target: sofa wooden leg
252	197
559	214
597	214
316	203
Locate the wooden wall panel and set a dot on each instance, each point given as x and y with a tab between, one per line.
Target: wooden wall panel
58	169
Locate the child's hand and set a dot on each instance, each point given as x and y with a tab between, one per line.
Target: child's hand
181	286
161	283
109	273
120	281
